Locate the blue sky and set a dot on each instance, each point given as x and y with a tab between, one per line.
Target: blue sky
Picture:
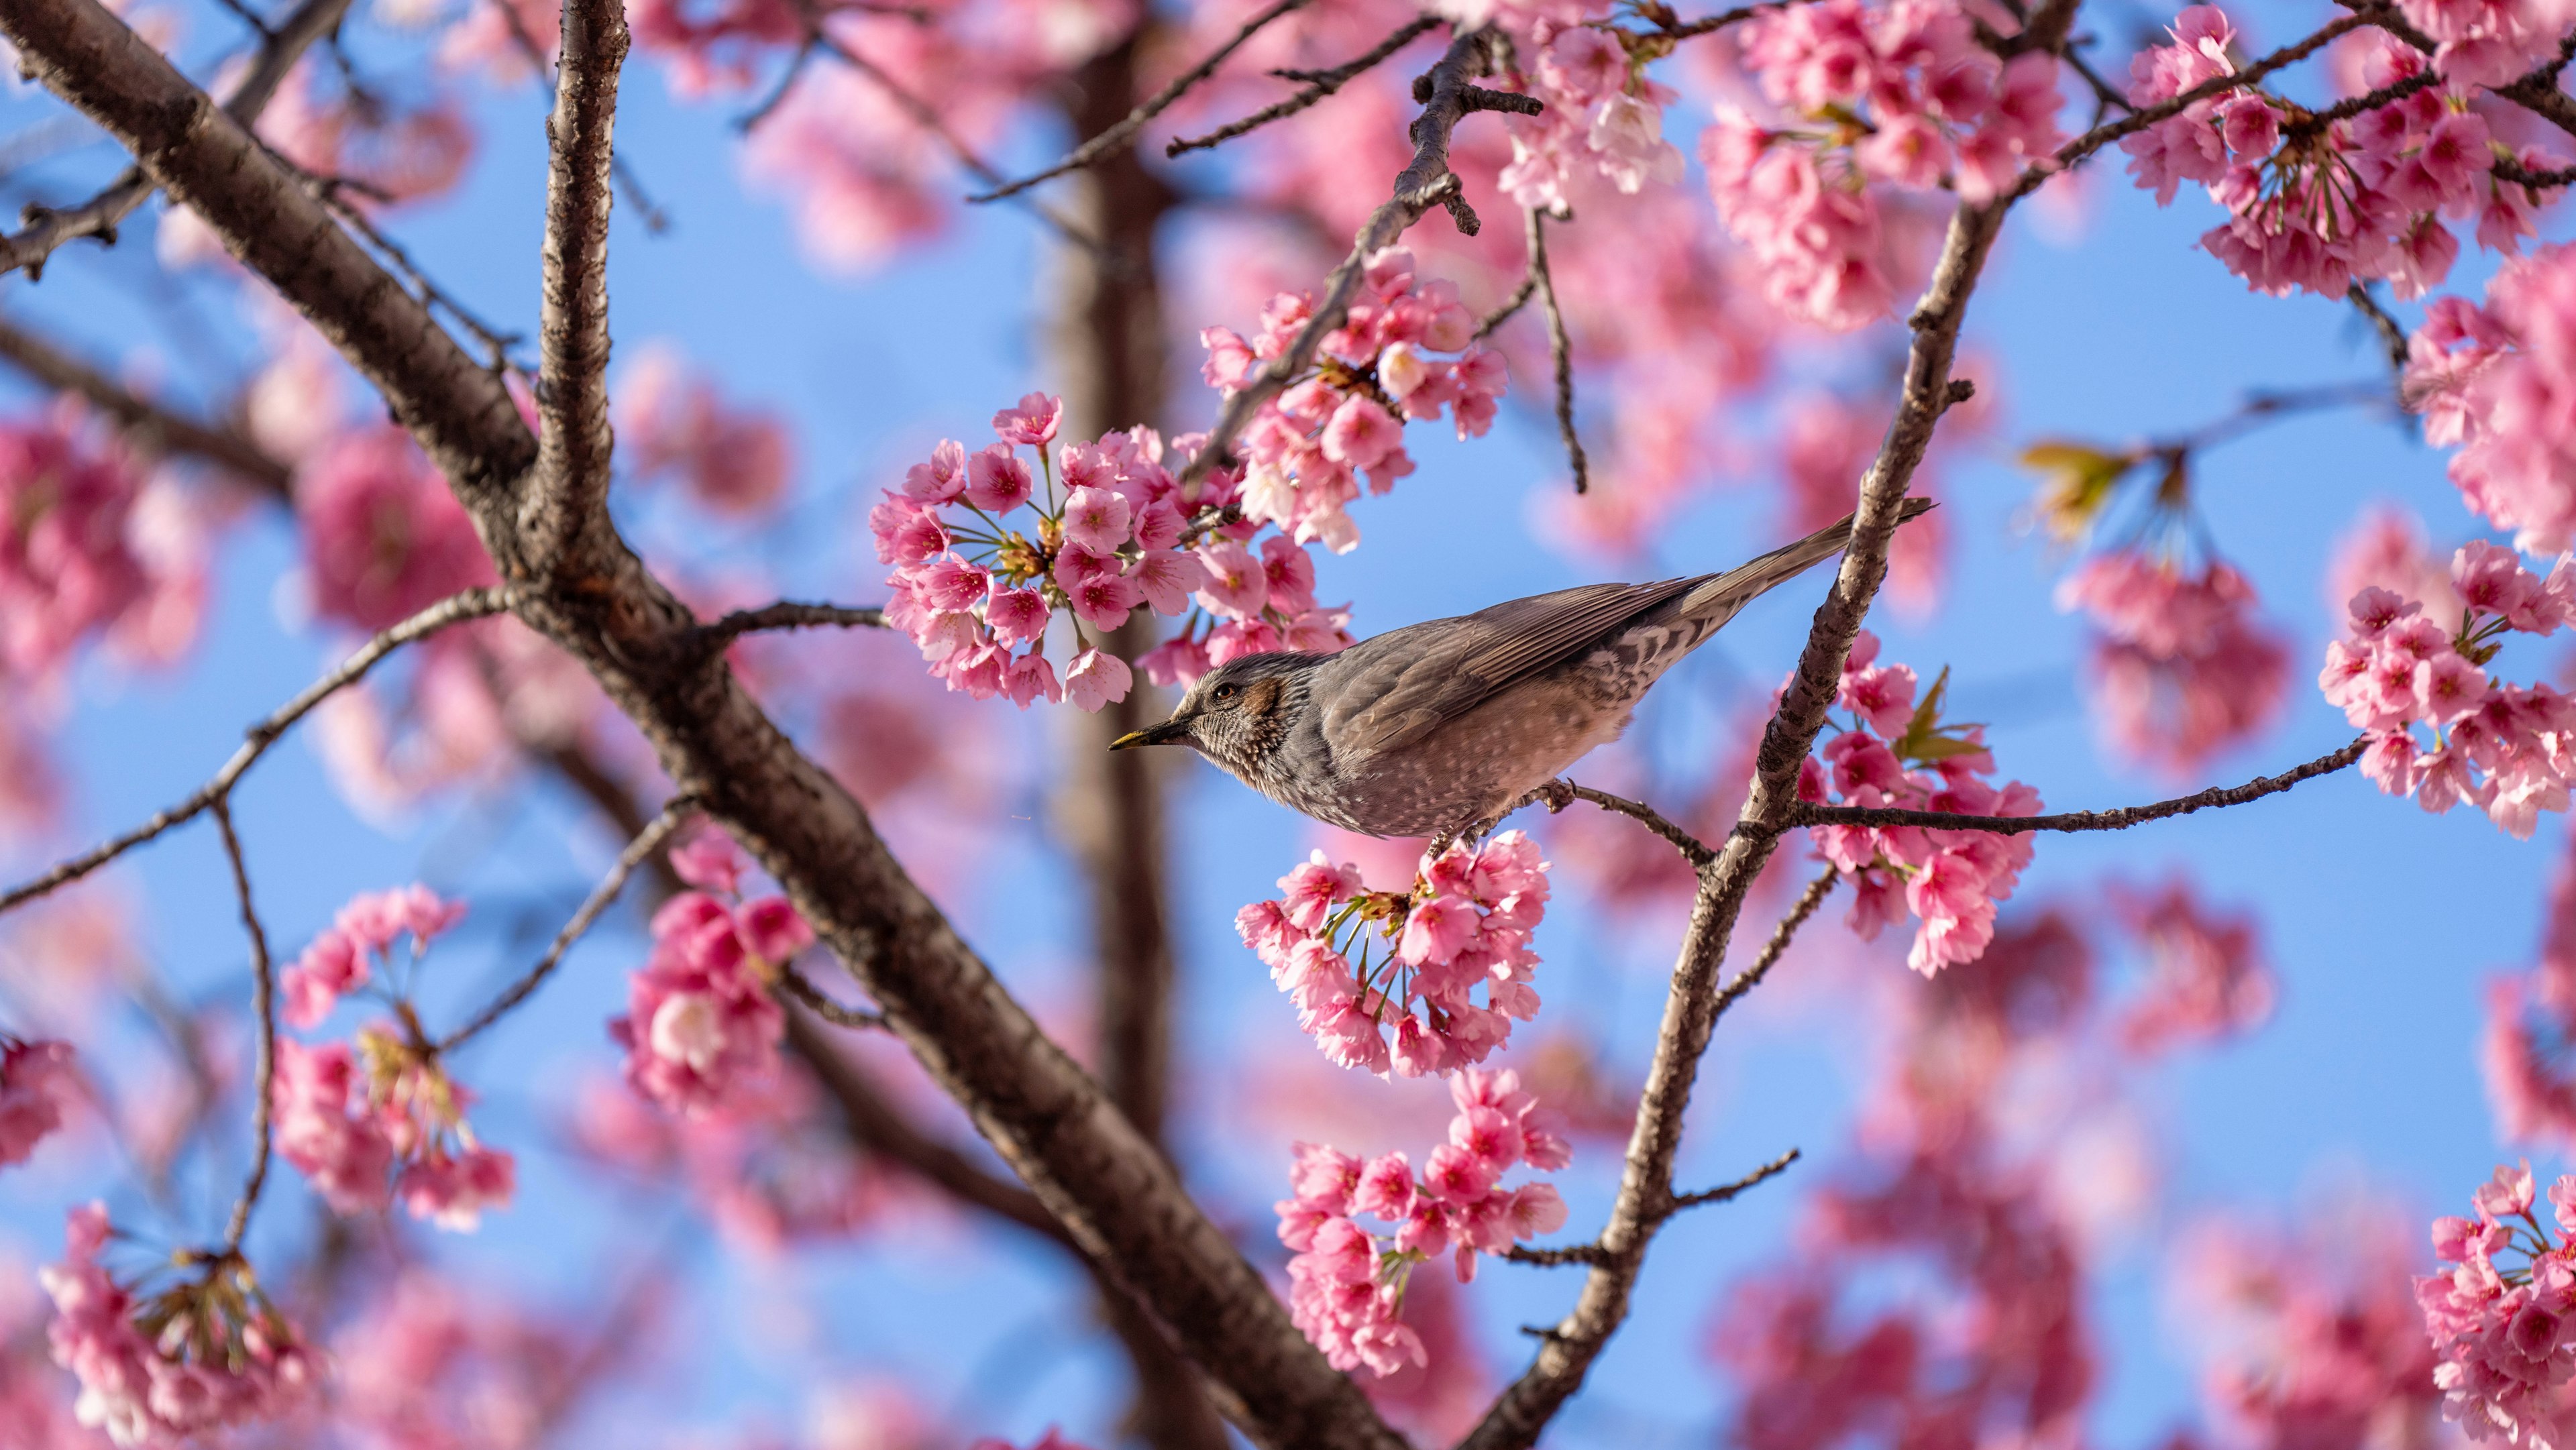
2381	922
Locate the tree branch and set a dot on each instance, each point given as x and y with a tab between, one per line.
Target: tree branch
1319	84
637	852
455	609
1448	95
1646	1194
1120	135
1808	814
1560	350
786	614
818	1002
263	1006
575	439
43	229
148	424
1727	1191
1558	794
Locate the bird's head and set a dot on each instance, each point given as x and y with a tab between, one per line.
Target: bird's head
1237	713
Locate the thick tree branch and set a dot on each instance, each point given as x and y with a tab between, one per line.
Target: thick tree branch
1120	134
786	614
1106	1183
43	229
455	609
1448	94
267	218
1318	84
147	424
576	441
1646	1193
637	852
1808	814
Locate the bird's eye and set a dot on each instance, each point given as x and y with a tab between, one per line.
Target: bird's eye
1227	692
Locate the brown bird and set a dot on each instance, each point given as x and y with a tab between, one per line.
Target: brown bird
1436	728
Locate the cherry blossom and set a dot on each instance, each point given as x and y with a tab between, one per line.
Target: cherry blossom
164	1368
68	565
339	961
2498	747
1345	1290
2498	383
2497	1316
2206	979
1356	962
2180	668
37	1080
730	460
384	538
701	1029
1898	753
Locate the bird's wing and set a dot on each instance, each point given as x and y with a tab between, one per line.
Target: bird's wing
1391	690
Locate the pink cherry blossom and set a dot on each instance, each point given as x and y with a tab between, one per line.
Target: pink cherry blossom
2181	670
37	1081
1030	424
384	538
1097	679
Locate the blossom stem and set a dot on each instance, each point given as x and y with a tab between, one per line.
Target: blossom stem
1806	813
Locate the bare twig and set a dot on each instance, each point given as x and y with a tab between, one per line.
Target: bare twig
822	1005
1806	814
786	614
1778	946
496	343
1558	794
602	896
2392	337
263	1006
149	425
42	229
1118	136
1509	307
1448	95
1318	84
455	609
1560	350
1725	1191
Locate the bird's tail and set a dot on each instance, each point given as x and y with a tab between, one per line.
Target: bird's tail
1717	600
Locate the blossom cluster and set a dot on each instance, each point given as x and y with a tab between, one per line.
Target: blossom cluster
1306	448
672	421
339	961
1897	753
2499	382
36	1080
2500	1316
1602	116
381	1119
384	537
2510	750
168	1368
67	564
701	1029
1900	93
2316	203
1346	1289
1465	922
2181	668
976	583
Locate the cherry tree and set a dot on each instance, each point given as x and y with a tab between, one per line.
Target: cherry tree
1304	263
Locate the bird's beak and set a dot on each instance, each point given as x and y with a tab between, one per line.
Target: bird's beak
1175	729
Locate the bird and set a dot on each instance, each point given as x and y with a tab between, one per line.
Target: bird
1437	729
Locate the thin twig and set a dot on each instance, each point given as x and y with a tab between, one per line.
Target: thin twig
2392	337
1778	946
455	609
1558	794
822	1005
1118	136
496	343
1319	84
1448	95
1509	307
148	424
1560	350
42	229
786	614
263	1007
1724	1192
601	897
1806	814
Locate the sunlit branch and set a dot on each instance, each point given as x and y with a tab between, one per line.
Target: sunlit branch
43	229
1317	85
1558	794
602	896
1120	135
1777	947
263	1000
455	609
787	614
654	218
149	425
1807	814
1448	95
575	442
